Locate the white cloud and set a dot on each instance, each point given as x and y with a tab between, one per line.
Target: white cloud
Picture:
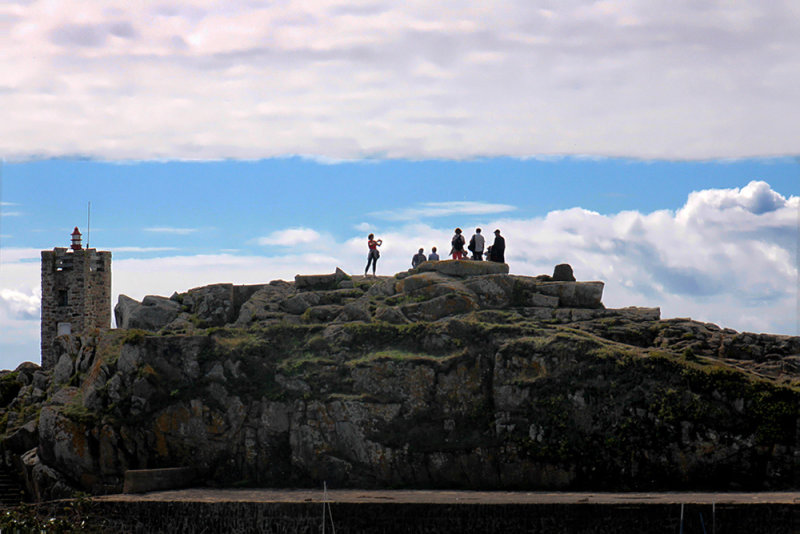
453	80
5	213
20	304
290	237
443	209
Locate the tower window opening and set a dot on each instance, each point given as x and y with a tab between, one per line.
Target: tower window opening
63	297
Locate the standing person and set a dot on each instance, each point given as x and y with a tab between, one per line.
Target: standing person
433	256
374	254
418	258
476	245
498	252
458	246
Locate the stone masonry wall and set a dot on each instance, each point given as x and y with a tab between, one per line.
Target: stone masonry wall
76	289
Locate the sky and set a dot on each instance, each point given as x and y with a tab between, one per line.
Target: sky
652	145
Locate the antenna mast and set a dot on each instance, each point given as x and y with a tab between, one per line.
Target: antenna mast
88	224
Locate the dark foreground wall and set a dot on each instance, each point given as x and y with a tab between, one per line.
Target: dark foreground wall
299	518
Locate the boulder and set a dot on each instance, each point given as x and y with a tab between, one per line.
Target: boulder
492	291
563	273
574	294
213	305
152	314
65	443
640	314
588	294
322	314
464	268
26	370
425	286
63	369
263	304
354	311
23	439
444	306
390	315
44	483
381	288
300	302
320	282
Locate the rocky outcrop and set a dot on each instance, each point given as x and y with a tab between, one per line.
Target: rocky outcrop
152	314
443	376
322	282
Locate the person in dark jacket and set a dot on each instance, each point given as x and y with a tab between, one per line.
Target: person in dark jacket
498	252
418	258
457	251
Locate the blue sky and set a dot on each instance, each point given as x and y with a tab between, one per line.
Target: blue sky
227	204
651	144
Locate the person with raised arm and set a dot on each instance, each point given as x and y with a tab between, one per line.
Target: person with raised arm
374	253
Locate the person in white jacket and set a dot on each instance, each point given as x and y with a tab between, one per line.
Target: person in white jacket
476	245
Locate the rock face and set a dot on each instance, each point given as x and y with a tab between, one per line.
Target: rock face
152	314
444	376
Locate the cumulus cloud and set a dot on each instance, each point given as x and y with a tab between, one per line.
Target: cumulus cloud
19	304
386	79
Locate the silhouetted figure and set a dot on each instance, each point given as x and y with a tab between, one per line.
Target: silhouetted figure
498	249
374	253
418	258
457	242
433	256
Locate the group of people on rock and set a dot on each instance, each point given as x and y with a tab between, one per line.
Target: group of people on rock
495	252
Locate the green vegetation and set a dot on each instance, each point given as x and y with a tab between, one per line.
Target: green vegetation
134	336
399	355
296	365
76	411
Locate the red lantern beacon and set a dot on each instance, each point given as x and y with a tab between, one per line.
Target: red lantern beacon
76	239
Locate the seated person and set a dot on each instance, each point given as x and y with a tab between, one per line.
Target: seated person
433	256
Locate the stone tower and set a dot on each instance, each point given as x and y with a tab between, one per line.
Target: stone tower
76	293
